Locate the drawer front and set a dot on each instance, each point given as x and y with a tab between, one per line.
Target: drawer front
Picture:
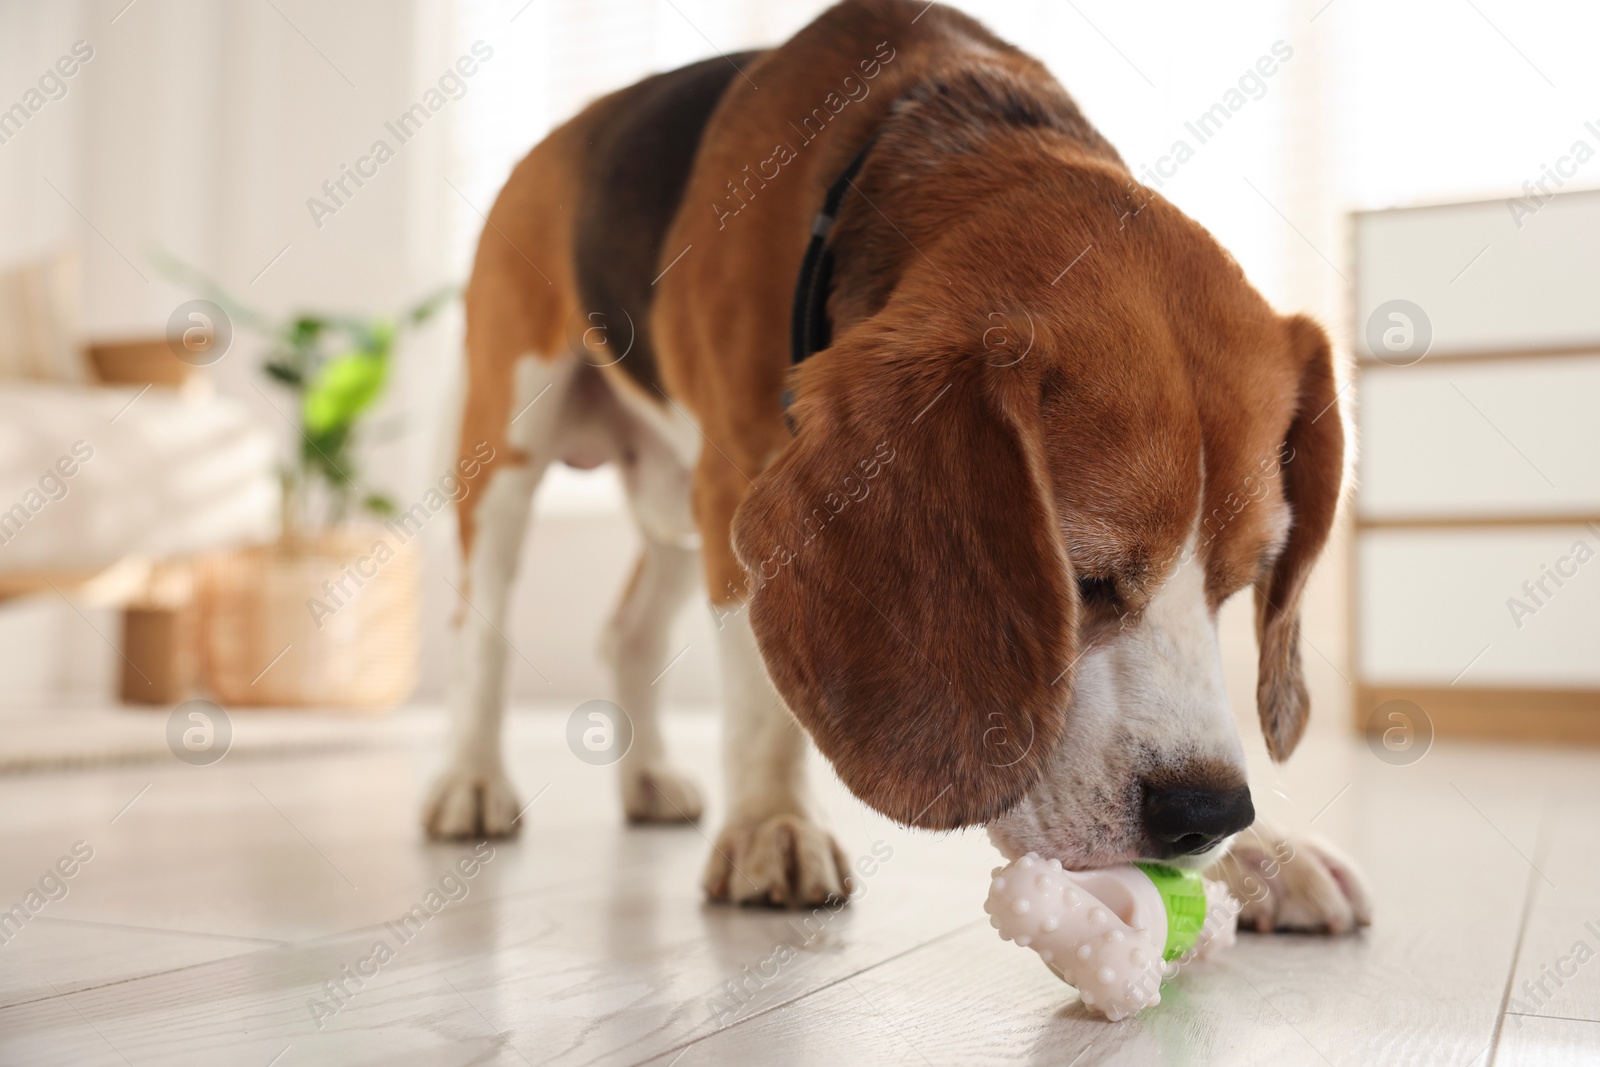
1506	607
1484	282
1501	438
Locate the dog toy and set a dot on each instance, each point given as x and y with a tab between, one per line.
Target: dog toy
1116	933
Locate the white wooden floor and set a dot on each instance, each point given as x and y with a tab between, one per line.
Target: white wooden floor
217	905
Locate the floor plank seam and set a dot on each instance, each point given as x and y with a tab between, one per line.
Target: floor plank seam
809	993
165	931
1522	931
134	978
265	944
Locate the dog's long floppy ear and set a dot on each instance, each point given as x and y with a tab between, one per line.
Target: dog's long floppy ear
1313	472
912	594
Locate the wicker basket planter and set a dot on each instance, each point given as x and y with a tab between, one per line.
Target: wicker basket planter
327	621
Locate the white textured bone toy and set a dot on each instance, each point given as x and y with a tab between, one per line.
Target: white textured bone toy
1113	933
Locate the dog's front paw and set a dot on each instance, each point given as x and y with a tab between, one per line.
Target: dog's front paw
1293	883
469	801
659	794
784	861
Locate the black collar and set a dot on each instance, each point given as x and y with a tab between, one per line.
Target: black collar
809	328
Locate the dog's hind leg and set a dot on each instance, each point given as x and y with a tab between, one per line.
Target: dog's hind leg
520	372
635	646
473	797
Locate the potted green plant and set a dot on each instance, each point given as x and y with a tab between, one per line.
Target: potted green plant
336	368
327	616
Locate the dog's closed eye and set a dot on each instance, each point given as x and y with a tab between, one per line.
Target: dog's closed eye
1105	603
1098	592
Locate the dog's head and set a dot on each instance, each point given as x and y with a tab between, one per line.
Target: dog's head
986	572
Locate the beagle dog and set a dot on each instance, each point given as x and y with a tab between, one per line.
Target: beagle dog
969	433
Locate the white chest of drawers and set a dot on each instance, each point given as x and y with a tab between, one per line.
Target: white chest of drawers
1476	565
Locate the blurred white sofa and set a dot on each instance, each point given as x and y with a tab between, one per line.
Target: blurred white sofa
118	464
97	477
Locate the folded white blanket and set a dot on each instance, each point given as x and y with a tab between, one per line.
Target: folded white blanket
86	478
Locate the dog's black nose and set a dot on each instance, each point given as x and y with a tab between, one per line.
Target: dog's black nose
1183	820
